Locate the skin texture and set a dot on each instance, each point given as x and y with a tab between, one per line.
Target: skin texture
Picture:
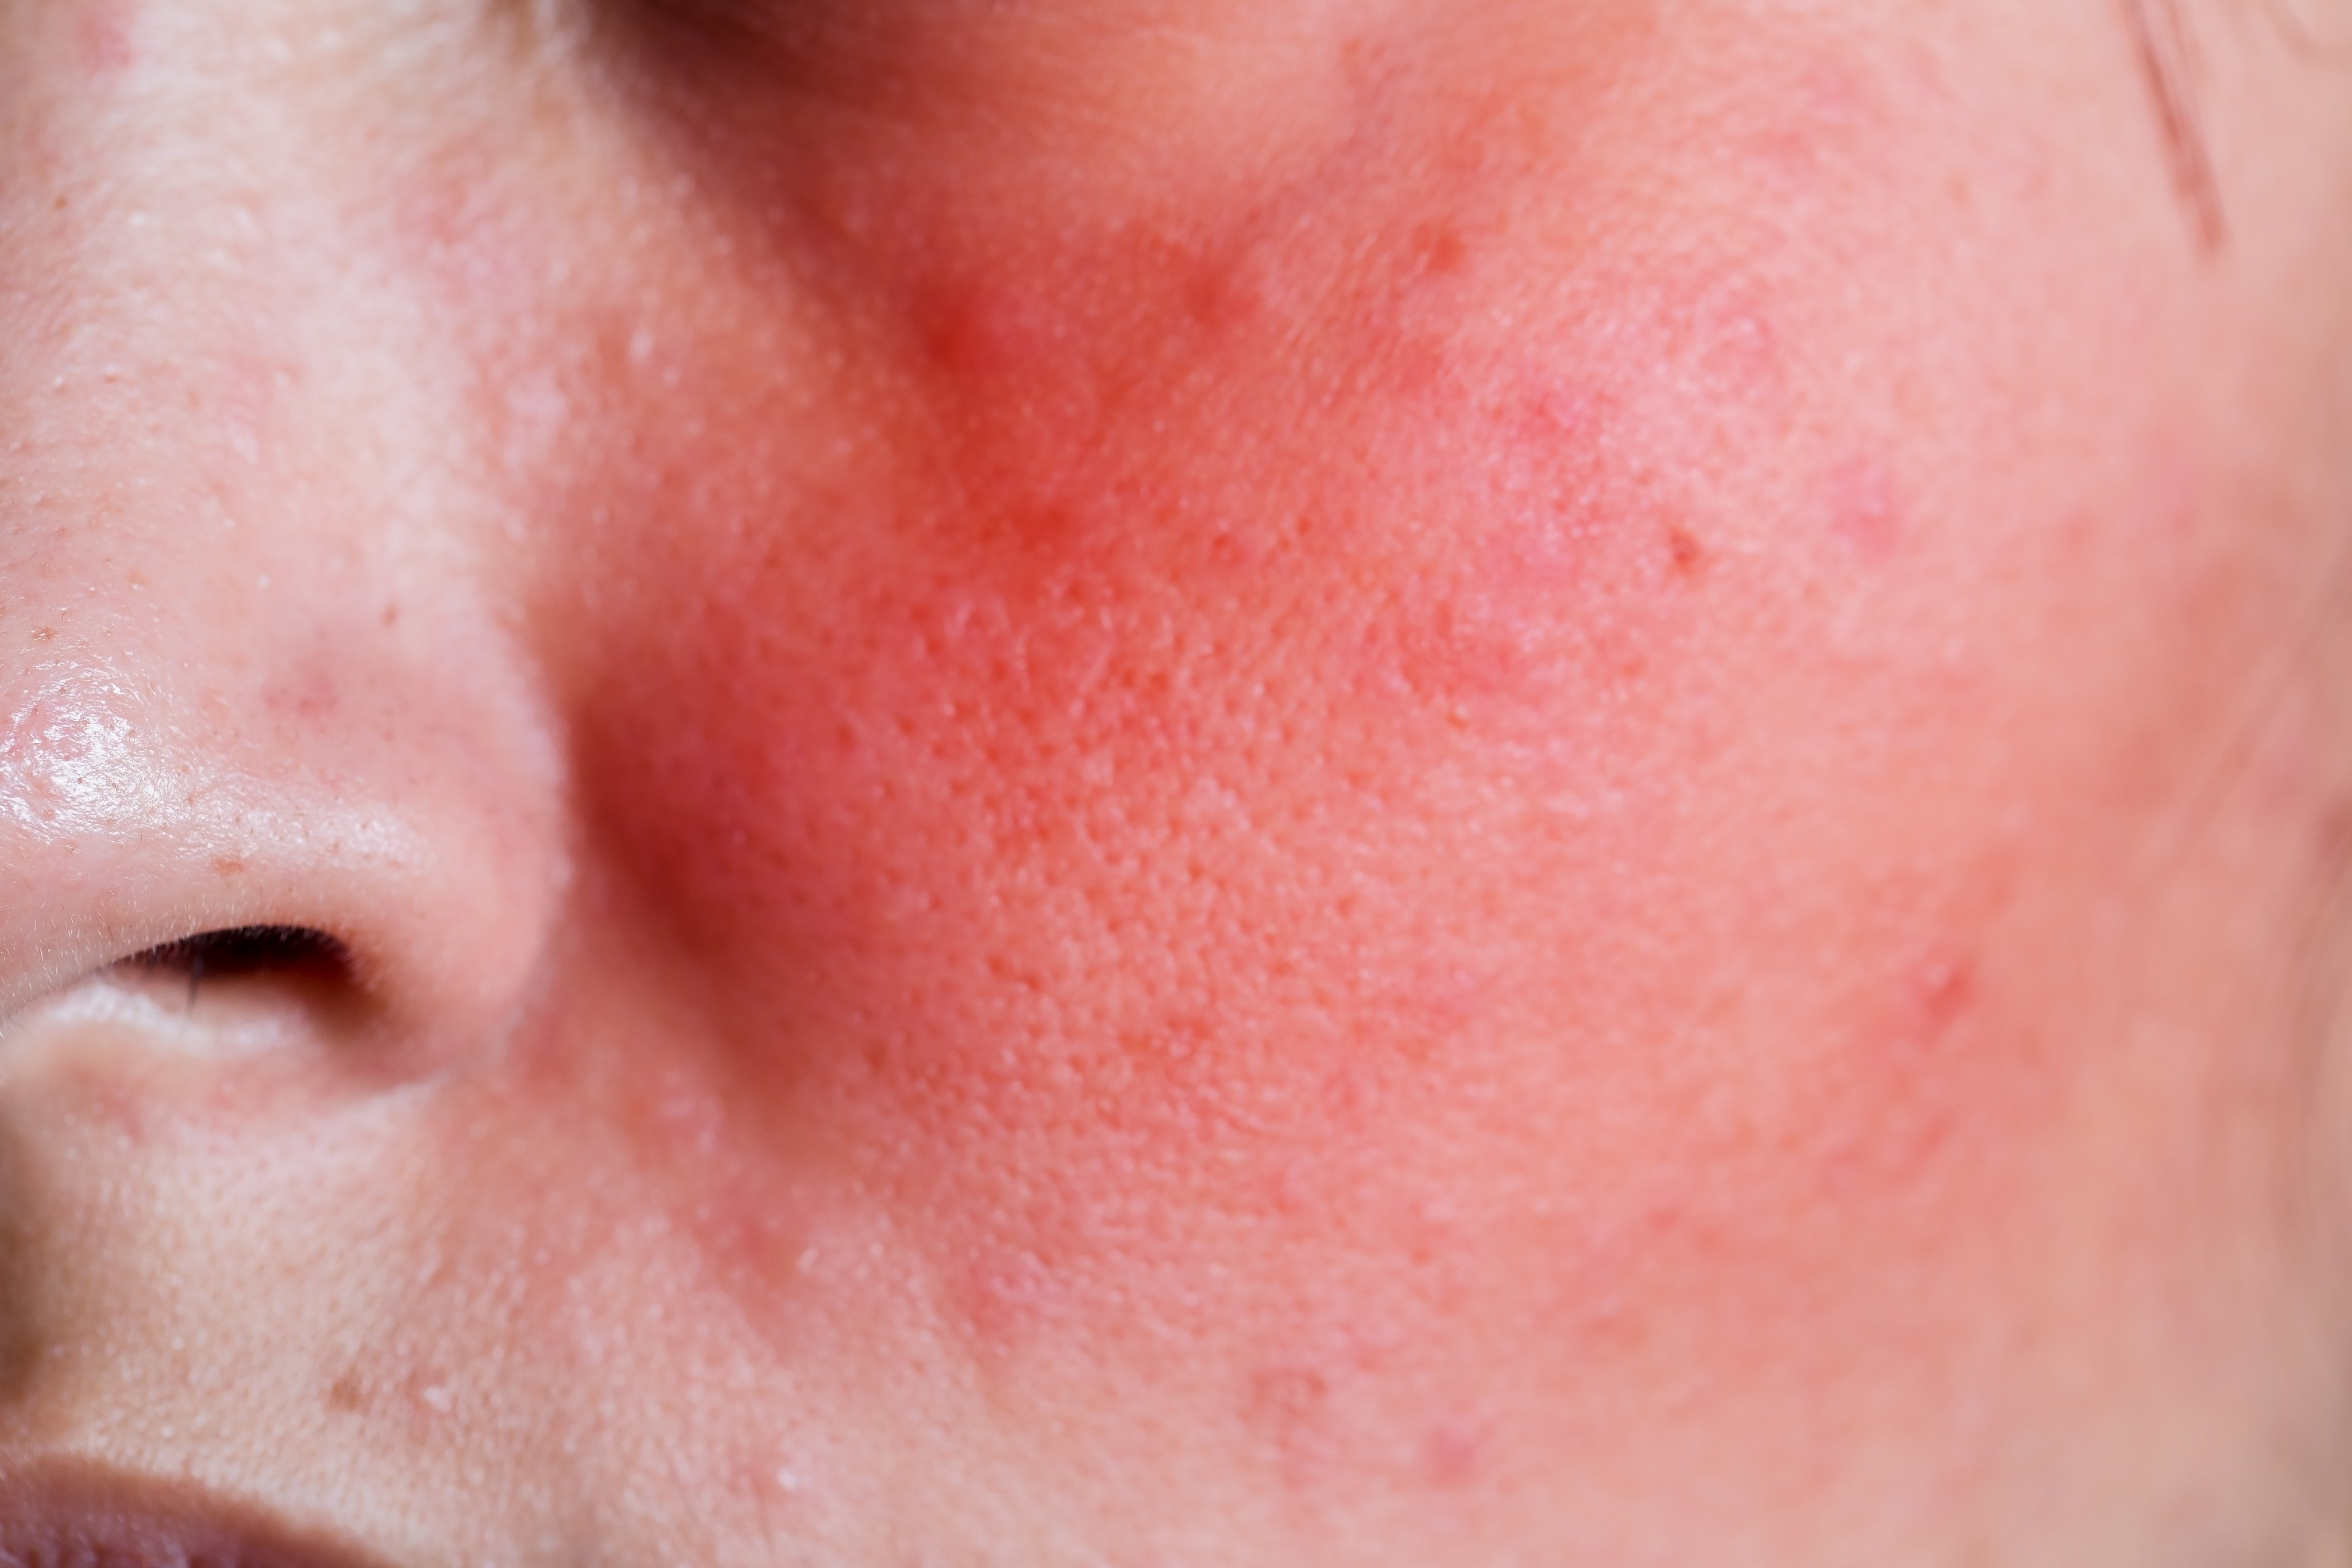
1117	782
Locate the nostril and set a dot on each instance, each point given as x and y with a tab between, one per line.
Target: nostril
238	978
237	954
234	992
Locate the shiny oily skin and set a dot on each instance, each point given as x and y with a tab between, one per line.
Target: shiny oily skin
1178	783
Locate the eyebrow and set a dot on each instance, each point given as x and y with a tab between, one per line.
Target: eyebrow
2166	48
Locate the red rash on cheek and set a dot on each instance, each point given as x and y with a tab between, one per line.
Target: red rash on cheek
1083	805
1165	738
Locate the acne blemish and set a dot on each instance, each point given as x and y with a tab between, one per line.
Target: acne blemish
1684	554
1450	1455
1284	1399
1942	991
1864	512
1441	250
105	39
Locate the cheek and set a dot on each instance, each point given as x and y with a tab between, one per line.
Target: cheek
1188	814
1294	780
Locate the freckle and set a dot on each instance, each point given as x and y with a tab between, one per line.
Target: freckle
227	866
44	634
347	1393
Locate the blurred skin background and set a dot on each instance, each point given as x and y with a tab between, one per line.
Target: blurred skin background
1160	781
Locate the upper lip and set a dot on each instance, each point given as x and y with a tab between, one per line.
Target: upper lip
57	1515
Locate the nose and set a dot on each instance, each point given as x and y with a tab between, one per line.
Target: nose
249	678
281	812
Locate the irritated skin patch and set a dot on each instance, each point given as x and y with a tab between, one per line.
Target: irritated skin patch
1068	739
107	40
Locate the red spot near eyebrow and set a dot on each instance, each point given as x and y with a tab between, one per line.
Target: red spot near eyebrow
104	39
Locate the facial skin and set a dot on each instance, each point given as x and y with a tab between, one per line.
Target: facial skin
1165	782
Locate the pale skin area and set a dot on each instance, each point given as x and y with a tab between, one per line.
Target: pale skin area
1148	782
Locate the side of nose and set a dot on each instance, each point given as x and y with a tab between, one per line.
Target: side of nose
249	674
282	807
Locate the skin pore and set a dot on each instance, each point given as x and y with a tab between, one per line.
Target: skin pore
1163	782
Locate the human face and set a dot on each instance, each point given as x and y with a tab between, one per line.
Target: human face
1174	780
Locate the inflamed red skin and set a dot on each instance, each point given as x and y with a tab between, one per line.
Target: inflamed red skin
1138	783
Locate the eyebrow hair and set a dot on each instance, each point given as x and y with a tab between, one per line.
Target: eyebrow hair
2165	49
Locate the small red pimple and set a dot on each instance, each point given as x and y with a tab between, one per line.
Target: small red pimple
1289	1406
1943	989
1450	1455
1864	512
1683	550
1441	249
104	37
